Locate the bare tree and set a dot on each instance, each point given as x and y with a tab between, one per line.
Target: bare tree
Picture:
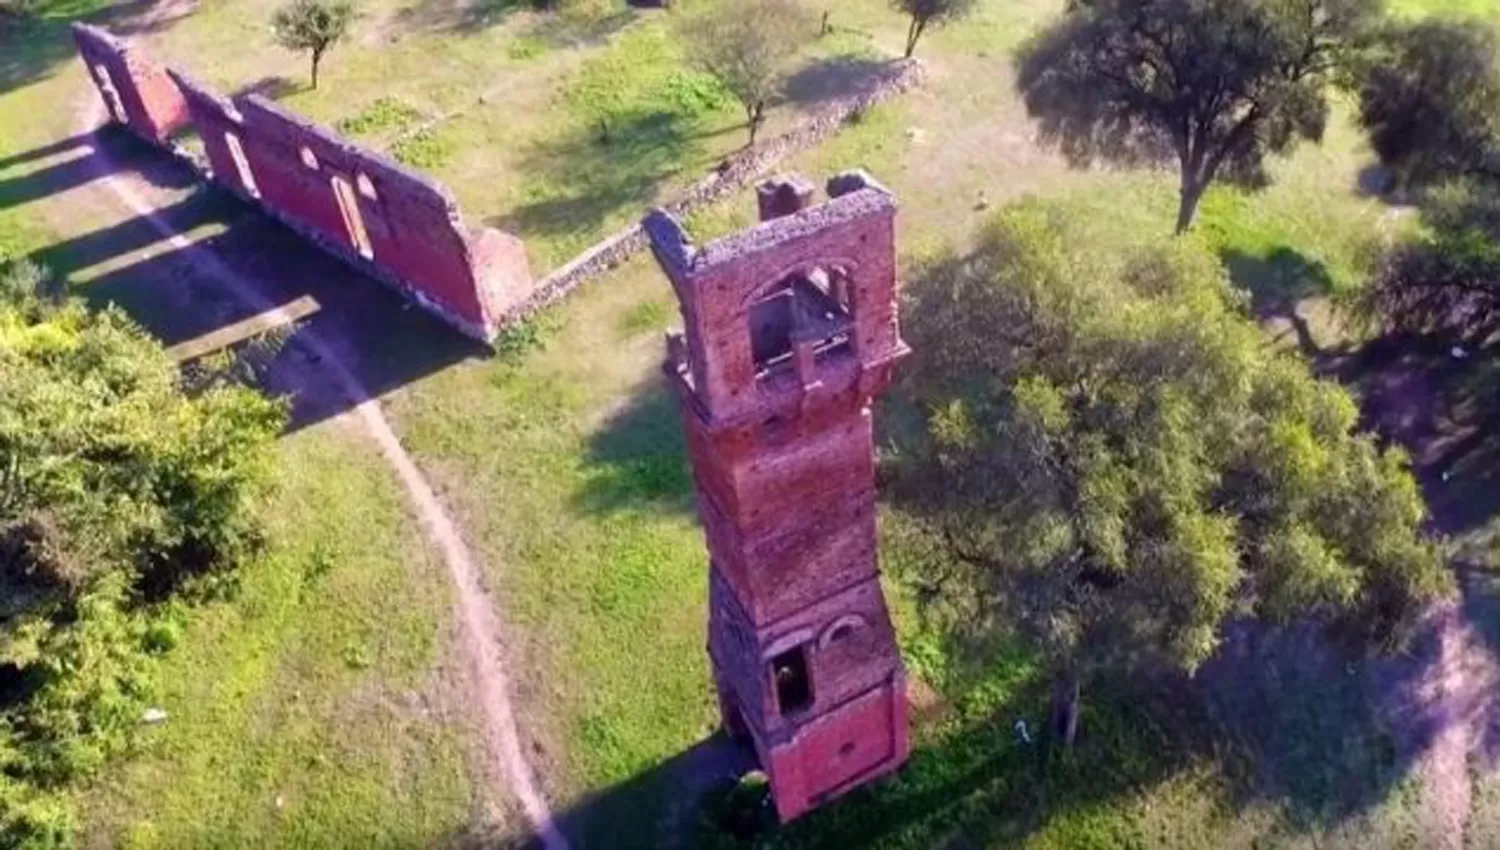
746	45
312	26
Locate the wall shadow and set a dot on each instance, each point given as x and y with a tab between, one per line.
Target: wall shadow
637	460
179	294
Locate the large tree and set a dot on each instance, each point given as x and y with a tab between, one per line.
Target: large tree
1429	97
1116	463
1214	86
925	13
746	45
312	27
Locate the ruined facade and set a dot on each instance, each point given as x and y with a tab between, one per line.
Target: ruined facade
790	332
385	219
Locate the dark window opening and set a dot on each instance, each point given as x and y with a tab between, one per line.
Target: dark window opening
806	308
793	687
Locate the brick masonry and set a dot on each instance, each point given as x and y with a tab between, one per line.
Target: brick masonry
790	331
387	220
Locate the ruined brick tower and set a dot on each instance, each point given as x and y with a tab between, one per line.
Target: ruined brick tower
790	331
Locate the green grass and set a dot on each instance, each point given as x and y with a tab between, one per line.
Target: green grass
563	461
567	467
318	707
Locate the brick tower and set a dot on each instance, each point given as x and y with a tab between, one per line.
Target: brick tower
790	331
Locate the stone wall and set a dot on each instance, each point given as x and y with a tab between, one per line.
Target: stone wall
731	176
379	216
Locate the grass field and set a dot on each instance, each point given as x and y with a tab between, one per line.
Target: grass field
319	707
563	462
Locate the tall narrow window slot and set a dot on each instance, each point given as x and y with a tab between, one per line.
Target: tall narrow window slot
354	220
241	164
793	687
111	94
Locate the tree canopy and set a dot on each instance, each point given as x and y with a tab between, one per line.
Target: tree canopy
1430	99
925	13
1114	462
746	46
1214	86
119	483
312	26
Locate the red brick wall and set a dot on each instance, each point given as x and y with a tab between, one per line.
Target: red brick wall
413	234
784	469
153	107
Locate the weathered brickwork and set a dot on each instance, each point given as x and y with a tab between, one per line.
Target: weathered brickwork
136	90
387	220
790	330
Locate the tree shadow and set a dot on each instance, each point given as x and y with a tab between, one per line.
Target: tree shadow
1278	282
592	178
1441	401
32	46
564	29
1263	713
637	460
271	87
833	78
457	15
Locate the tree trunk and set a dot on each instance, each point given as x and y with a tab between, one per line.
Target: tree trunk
756	114
1189	194
316	58
1066	691
913	33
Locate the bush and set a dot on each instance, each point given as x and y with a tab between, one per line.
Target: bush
121	484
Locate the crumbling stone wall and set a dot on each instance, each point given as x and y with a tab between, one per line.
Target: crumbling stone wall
385	219
136	90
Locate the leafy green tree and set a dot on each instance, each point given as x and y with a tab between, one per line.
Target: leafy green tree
1214	86
1443	282
1116	463
313	27
925	13
746	45
119	483
1430	99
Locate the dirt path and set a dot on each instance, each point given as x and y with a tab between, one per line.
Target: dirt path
480	632
1455	698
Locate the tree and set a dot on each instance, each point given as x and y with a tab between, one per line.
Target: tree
1442	282
1115	463
119	484
746	45
927	12
1430	100
313	26
1214	85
